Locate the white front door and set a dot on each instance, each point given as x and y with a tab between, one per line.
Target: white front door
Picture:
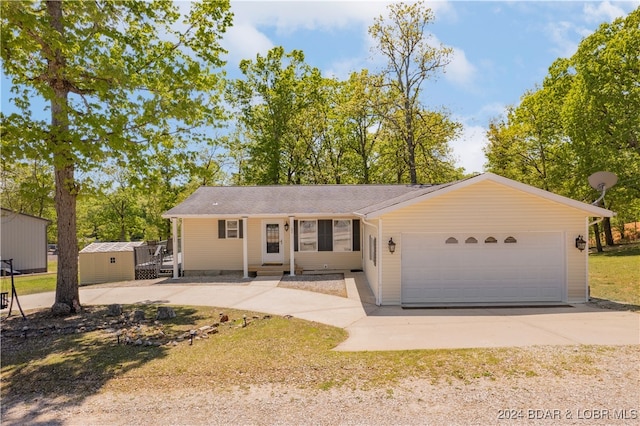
272	241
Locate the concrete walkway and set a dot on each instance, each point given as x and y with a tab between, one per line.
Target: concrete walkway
385	328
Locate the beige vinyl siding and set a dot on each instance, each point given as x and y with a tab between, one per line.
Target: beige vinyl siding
316	261
97	268
370	270
205	252
24	239
486	207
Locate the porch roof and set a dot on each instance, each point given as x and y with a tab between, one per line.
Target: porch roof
294	199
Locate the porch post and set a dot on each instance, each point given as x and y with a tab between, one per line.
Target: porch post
292	239
245	247
174	237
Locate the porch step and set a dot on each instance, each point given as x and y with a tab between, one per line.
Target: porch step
272	270
269	273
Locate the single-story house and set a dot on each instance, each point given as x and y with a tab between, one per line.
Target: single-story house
103	262
482	240
24	239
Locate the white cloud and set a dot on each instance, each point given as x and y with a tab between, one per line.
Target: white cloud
460	71
467	148
244	41
289	16
563	35
604	11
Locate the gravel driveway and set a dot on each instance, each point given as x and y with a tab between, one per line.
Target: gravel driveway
608	397
607	394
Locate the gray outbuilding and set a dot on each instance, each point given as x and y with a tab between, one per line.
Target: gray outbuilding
24	239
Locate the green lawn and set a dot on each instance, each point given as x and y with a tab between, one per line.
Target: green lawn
36	283
615	274
270	349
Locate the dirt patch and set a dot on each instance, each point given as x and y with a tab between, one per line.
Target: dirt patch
332	284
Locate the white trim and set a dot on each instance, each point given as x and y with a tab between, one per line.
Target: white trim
379	263
245	247
593	210
181	244
174	237
263	216
292	238
586	260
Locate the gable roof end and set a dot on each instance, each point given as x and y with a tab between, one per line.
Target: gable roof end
444	189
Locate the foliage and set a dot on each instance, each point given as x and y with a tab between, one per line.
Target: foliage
411	60
585	118
122	80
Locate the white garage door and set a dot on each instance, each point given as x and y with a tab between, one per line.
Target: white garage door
482	268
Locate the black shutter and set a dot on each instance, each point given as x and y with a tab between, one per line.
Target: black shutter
295	235
222	229
325	235
241	230
355	234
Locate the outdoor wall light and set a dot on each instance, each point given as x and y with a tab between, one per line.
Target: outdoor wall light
581	244
392	246
286	226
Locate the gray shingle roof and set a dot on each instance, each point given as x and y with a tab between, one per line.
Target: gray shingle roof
295	199
110	247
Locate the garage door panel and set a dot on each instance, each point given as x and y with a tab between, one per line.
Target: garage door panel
532	269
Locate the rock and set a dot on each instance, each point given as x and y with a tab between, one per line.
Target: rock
60	309
223	317
165	312
137	316
114	310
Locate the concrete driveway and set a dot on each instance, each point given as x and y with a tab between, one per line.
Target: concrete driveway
376	328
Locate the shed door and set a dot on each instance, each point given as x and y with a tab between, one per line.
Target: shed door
482	268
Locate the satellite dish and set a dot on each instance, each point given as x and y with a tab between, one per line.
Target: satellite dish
602	181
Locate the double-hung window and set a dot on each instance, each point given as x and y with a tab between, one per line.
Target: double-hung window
337	235
233	229
342	235
308	235
230	228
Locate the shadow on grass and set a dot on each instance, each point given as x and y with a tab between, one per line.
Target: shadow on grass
611	305
619	251
43	370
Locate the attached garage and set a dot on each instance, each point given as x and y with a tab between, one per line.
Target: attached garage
476	267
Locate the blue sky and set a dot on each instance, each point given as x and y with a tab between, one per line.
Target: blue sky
501	49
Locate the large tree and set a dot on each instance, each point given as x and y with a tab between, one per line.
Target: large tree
276	101
412	59
585	118
118	78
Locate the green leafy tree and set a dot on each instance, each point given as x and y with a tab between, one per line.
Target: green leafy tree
360	109
585	118
117	79
274	100
411	60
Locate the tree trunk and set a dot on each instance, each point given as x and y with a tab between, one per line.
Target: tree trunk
411	143
596	232
67	283
608	235
66	188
